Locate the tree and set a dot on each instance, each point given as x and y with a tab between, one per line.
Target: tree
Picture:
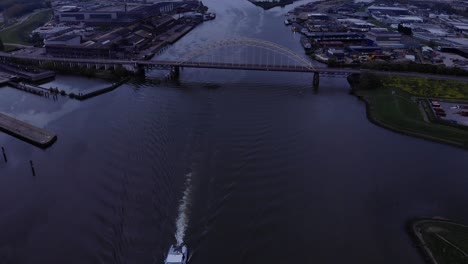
37	40
405	30
369	81
2	47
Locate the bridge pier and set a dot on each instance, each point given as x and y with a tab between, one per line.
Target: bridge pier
175	72
316	80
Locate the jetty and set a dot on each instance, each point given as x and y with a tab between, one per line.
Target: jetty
27	132
27	73
5	78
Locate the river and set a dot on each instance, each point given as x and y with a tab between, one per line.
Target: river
243	167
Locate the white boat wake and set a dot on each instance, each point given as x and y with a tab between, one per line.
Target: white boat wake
182	218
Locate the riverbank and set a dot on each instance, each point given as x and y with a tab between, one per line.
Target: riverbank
110	74
402	112
441	241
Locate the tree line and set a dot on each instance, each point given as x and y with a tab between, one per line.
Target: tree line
415	67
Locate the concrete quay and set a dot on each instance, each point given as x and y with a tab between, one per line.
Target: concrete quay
27	73
27	132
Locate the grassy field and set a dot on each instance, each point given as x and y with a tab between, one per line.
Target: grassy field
398	110
447	242
20	34
9	48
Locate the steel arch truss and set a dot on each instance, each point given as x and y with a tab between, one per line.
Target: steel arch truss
247	42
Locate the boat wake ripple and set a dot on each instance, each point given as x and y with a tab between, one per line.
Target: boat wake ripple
182	218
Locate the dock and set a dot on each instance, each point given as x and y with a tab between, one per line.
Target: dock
5	78
27	132
27	73
37	90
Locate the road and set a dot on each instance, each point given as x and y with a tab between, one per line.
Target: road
17	45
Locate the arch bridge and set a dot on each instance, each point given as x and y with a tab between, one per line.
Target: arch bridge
235	53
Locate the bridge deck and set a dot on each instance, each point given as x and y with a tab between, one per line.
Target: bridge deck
232	66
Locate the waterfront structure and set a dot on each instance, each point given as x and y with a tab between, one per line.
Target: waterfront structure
121	42
51	31
385	39
27	132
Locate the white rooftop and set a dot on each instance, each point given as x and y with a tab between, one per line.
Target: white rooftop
173	258
393	8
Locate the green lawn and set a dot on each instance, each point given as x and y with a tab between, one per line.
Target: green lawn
20	34
448	242
9	48
398	110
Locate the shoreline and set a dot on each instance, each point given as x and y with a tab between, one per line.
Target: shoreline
370	113
417	239
403	131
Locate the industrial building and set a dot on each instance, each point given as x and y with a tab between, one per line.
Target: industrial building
123	14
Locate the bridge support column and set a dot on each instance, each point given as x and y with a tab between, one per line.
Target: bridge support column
175	72
140	69
316	80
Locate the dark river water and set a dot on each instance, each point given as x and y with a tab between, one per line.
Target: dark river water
243	167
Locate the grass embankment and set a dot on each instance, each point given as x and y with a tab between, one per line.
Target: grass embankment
9	48
19	34
444	242
393	106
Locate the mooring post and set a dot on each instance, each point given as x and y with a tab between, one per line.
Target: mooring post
32	168
4	154
316	80
175	72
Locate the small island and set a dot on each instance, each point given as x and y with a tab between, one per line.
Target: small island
442	241
269	4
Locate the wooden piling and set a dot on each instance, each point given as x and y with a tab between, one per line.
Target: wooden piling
32	168
4	154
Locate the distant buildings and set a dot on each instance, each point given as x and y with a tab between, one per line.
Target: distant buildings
112	29
386	39
51	31
115	15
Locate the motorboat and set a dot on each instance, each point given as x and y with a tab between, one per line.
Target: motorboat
177	255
